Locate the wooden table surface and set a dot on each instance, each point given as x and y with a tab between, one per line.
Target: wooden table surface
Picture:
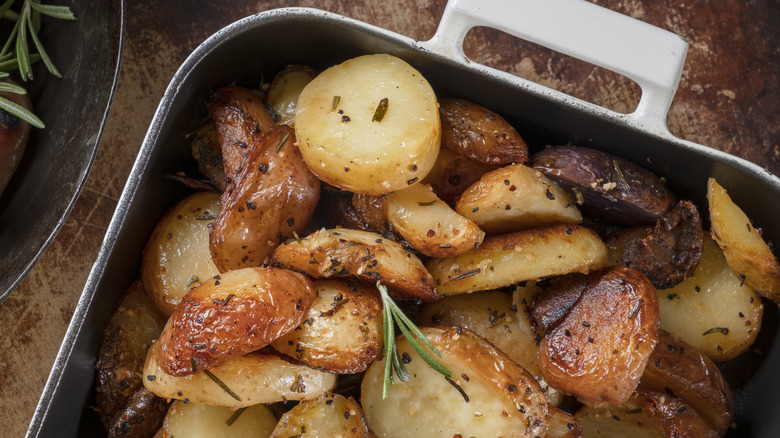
728	99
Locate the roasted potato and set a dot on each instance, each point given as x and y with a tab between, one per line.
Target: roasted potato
285	89
516	197
369	125
562	425
489	394
475	132
526	255
232	314
359	254
712	310
271	199
329	415
177	257
193	420
207	151
599	333
342	332
262	376
240	119
606	186
14	135
370	210
745	250
452	174
428	224
126	407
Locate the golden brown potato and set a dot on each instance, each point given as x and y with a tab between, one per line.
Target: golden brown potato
240	119
232	314
359	254
599	333
514	198
479	134
262	376
745	250
679	369
489	394
452	174
370	211
526	255
646	414
369	125
712	310
285	89
207	151
270	200
177	257
428	224
329	415
342	332
563	425
126	408
193	420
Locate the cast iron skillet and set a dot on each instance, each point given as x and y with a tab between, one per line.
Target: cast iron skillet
56	163
263	44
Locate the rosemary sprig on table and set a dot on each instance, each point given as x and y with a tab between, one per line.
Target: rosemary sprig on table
15	54
393	363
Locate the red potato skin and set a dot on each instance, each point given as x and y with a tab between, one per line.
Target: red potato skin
14	134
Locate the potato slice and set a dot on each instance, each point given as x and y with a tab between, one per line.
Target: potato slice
259	377
193	420
599	333
428	224
526	255
342	252
342	332
514	198
177	256
712	310
369	125
329	415
232	314
489	394
563	425
745	250
285	89
452	174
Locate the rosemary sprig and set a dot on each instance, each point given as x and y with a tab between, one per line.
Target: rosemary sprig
393	363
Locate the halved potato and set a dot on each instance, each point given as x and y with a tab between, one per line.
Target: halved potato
452	174
342	332
526	255
194	420
712	310
514	198
329	415
489	394
428	224
285	89
177	257
369	125
364	255
745	250
262	376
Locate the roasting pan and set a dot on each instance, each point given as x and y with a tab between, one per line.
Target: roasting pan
262	44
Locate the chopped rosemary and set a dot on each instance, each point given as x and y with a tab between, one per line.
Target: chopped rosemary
393	363
463	275
281	143
721	330
194	279
194	364
425	204
221	384
620	174
381	110
205	217
235	416
335	103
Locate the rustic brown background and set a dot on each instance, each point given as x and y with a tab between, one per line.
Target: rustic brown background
728	99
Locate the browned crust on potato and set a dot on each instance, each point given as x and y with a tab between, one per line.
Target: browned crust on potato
453	174
562	425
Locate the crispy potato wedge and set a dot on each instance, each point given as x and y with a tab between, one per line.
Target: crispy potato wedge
452	174
679	369
329	415
712	310
489	394
240	119
193	420
126	408
526	255
563	425
428	224
342	332
479	134
369	125
232	314
262	376
285	89
271	199
646	414
359	254
599	333
745	250
177	257
516	197
207	151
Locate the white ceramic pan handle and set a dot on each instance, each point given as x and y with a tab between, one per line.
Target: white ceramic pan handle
650	56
